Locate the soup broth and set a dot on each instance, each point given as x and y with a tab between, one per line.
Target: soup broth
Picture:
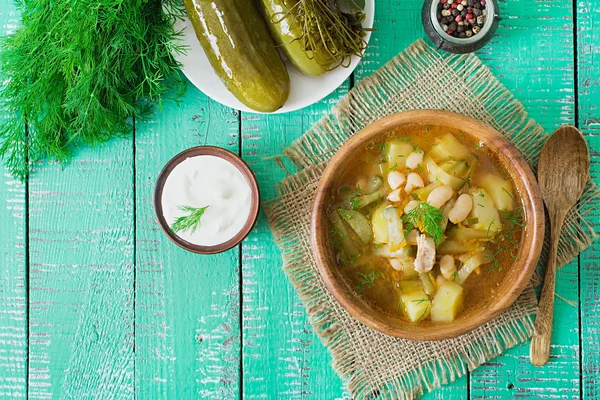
425	223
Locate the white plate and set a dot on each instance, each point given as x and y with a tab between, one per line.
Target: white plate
304	90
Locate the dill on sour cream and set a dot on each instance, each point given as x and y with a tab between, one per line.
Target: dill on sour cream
214	185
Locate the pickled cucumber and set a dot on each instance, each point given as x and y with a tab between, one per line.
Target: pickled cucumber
286	33
240	49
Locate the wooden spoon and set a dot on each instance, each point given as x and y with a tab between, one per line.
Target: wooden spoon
562	174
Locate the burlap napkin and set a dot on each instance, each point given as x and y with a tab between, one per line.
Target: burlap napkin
373	364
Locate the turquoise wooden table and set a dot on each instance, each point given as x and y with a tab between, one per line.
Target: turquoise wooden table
96	303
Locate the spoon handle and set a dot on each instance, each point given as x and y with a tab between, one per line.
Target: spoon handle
540	343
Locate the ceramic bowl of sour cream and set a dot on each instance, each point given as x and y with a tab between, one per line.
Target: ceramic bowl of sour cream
206	199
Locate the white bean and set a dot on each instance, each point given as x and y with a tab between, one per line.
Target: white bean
411	237
395	196
447	267
461	209
396	264
396	179
440	195
414	159
411	205
413	181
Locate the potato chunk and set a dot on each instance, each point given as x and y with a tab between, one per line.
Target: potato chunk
500	190
448	147
416	305
485	211
410	286
447	302
398	153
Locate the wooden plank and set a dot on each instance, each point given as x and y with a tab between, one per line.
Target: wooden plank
276	332
81	275
187	305
532	55
13	296
588	49
511	375
398	24
283	357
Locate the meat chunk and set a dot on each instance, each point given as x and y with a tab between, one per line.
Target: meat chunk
425	254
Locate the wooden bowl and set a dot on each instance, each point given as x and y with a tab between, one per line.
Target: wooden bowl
246	173
517	277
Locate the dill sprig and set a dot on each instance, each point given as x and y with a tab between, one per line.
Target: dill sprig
495	262
189	222
428	219
81	72
508	193
366	281
424	312
511	220
514	218
487	234
347	259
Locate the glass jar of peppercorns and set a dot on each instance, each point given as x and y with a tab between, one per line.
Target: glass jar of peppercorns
460	26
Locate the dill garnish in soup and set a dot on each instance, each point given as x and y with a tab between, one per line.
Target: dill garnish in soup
425	224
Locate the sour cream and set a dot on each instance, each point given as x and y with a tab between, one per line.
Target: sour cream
208	181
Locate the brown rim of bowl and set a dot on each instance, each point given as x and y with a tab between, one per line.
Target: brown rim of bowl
240	165
533	235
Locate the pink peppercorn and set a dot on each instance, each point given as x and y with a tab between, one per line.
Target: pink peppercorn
443	1
469	16
449	32
483	3
458	18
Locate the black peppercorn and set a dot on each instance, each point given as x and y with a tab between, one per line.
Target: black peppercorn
461	18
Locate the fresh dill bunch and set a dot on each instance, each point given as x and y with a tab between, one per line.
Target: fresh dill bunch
426	218
189	222
81	72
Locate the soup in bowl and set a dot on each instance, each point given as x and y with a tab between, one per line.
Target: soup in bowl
427	224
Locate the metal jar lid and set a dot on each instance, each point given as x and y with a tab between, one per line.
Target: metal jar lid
457	45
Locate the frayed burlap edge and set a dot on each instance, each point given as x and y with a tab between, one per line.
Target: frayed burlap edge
327	317
403	84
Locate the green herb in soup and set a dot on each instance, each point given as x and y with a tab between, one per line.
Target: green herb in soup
425	224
